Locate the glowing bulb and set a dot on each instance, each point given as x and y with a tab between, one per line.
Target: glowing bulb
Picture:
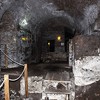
24	38
59	38
23	23
48	43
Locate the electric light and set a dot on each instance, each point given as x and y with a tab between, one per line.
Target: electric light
24	38
23	22
59	38
48	43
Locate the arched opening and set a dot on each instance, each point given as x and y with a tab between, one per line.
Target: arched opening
52	41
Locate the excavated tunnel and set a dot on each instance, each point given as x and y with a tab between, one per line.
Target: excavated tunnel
47	47
52	41
60	42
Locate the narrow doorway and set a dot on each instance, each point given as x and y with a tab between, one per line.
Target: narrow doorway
51	45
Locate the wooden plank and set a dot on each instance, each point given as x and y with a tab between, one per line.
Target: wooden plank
26	80
57	81
67	93
6	87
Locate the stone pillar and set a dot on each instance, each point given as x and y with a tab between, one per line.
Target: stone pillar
71	52
87	59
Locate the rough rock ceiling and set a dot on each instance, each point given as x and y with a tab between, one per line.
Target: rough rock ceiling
78	14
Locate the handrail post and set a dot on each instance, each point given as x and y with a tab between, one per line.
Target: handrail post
26	80
6	87
6	59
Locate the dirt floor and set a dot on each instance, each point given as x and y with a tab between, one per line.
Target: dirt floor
91	92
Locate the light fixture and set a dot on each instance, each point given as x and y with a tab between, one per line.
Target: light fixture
23	23
59	38
48	43
24	38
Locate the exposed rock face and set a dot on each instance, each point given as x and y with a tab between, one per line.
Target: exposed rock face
35	16
8	36
87	55
86	67
87	70
79	14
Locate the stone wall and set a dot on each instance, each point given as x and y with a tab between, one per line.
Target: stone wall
8	34
86	66
59	53
17	49
87	54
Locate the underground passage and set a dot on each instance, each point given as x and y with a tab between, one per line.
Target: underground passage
49	50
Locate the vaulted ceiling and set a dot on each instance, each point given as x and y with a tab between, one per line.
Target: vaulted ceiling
77	14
